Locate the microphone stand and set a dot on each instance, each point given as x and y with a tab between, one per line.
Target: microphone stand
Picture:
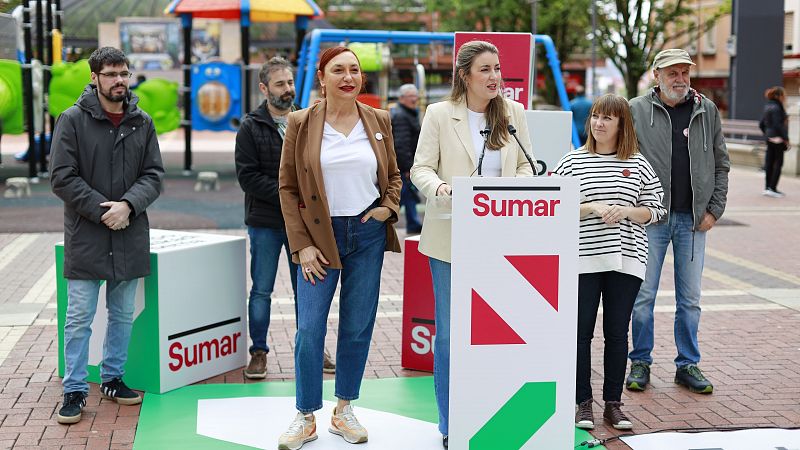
485	133
534	167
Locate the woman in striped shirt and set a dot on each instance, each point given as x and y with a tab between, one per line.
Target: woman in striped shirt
620	194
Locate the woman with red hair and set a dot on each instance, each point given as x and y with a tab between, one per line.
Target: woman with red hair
340	192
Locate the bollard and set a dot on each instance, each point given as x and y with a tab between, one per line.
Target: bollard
17	187
207	181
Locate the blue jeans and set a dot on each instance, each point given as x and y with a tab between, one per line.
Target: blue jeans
361	247
265	252
688	248
409	200
440	275
81	307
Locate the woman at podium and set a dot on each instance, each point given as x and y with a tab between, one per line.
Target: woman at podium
467	134
620	195
340	193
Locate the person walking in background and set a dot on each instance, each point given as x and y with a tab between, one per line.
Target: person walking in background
680	133
620	194
141	78
405	127
340	195
451	143
258	156
106	231
775	126
580	106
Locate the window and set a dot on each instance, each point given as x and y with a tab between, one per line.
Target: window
710	41
788	32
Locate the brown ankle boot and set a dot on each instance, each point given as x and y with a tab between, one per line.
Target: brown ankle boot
614	415
584	418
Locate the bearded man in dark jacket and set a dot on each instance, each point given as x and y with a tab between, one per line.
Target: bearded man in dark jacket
106	167
258	157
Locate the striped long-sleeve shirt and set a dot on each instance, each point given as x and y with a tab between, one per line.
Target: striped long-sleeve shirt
622	246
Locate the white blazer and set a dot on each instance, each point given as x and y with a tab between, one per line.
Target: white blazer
445	150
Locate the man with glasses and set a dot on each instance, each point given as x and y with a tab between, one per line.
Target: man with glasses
106	167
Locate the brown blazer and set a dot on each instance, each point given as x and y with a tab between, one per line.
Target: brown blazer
302	190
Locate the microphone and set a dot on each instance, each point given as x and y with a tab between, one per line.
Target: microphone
534	167
485	133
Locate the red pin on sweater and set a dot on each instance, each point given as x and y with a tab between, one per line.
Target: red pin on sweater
626	173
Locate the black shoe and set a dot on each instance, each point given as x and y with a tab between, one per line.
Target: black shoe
691	377
444	441
639	376
584	417
117	391
70	411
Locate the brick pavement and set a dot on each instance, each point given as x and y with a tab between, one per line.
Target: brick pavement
749	337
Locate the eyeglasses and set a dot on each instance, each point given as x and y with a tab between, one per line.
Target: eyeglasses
114	75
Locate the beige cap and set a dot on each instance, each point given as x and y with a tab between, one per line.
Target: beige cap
670	57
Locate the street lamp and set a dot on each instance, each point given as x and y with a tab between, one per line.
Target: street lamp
594	49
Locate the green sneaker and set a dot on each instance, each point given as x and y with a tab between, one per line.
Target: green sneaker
639	376
691	377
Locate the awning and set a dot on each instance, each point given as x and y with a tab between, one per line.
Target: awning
256	10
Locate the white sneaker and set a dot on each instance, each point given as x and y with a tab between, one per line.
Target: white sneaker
303	429
773	194
346	425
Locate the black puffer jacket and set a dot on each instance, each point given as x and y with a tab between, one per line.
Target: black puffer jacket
773	121
92	162
405	130
258	158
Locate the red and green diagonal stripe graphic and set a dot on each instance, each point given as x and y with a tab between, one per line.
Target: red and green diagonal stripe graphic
519	419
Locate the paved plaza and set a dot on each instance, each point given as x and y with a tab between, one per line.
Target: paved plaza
749	334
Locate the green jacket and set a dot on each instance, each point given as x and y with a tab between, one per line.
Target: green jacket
708	155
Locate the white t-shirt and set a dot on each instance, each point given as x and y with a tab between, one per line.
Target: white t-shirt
349	171
492	166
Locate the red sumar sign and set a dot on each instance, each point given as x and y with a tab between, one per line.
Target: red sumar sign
419	331
516	61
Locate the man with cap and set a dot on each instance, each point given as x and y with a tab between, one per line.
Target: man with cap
680	133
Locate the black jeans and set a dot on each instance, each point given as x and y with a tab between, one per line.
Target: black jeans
618	291
773	164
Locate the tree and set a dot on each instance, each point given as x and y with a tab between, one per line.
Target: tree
632	32
567	22
482	15
390	15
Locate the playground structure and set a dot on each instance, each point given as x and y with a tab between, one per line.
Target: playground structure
41	16
246	11
215	95
36	92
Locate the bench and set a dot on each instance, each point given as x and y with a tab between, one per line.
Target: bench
745	141
742	132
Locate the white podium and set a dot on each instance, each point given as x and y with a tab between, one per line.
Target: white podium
513	313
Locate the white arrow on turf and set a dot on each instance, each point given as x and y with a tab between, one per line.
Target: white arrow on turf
259	421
